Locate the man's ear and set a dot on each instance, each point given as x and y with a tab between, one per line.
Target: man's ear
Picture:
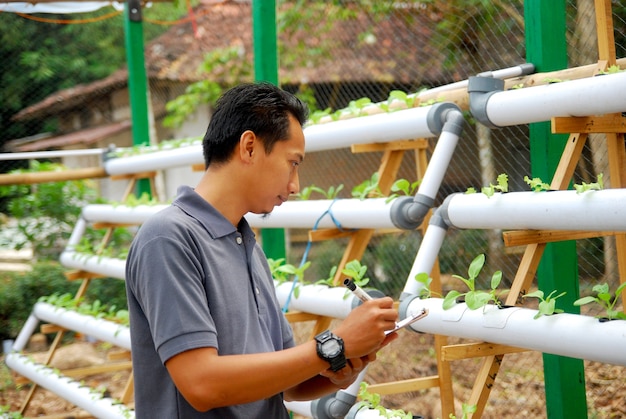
247	145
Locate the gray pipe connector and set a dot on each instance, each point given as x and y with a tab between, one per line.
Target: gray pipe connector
437	116
333	406
373	292
480	90
407	213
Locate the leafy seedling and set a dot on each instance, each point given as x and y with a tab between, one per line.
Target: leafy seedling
606	300
474	298
402	185
368	188
594	186
501	186
547	305
536	184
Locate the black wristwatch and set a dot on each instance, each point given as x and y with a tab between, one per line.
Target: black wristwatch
330	349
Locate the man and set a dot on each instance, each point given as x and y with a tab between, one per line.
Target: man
208	337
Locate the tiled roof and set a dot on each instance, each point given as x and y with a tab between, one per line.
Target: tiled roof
392	48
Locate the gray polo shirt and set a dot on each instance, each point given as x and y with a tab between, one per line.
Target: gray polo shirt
193	281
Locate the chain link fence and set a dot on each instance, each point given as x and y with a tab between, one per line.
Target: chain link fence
336	53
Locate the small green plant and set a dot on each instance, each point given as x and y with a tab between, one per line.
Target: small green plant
356	271
536	184
594	186
467	410
331	193
5	413
425	280
372	401
611	70
368	188
404	186
605	299
282	271
474	298
547	305
502	185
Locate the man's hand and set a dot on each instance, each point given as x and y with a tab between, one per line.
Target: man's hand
346	376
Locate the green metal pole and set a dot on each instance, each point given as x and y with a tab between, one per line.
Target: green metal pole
546	48
265	44
137	80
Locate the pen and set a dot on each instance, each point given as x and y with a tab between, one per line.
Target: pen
363	296
356	290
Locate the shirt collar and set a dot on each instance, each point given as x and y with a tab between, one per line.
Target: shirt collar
211	219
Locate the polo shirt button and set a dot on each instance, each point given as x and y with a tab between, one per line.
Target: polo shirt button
239	240
257	291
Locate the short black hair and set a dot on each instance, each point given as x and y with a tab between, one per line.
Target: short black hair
259	107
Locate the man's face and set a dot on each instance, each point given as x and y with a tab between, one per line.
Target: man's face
276	175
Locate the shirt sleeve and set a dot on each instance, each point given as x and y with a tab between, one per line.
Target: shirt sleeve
167	281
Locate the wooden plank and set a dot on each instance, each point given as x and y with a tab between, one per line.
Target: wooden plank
604	25
404	386
476	350
391	146
525	237
613	123
329	234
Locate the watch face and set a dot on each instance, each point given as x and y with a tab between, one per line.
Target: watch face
331	348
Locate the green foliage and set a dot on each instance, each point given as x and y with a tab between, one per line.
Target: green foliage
605	299
594	186
372	401
467	410
332	193
547	305
368	188
46	212
20	291
475	298
282	272
82	306
502	185
536	184
404	186
425	280
356	271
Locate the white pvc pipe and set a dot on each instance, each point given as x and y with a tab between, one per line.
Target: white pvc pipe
109	267
349	213
564	334
405	124
25	333
101	329
70	390
603	210
393	126
425	257
583	97
158	160
438	164
322	300
119	213
30	155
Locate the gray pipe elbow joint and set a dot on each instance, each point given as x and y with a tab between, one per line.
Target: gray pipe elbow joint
407	213
333	406
438	116
480	90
